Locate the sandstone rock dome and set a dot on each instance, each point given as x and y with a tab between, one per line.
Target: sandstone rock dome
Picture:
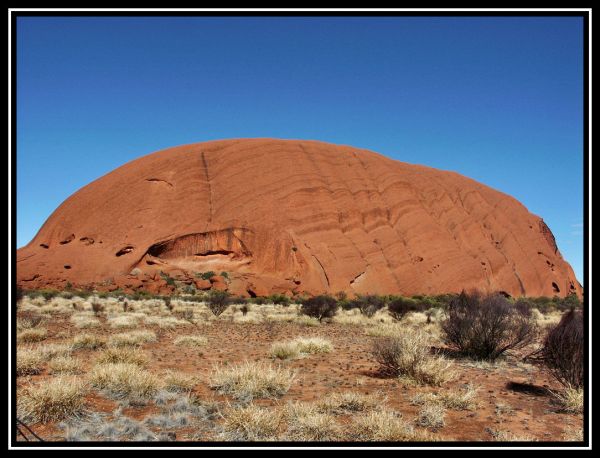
293	216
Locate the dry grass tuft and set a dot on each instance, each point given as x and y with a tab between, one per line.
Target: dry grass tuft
284	350
54	400
132	339
178	381
307	423
123	380
313	345
191	341
84	321
349	402
570	400
407	355
251	423
114	355
249	380
32	335
64	365
463	399
385	425
88	342
431	416
29	361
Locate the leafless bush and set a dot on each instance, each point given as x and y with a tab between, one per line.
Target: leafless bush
485	327
218	301
562	351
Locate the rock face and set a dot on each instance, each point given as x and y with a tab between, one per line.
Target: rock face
294	216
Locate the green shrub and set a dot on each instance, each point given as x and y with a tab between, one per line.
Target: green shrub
280	299
319	307
207	275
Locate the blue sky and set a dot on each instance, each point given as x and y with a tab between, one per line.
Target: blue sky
497	99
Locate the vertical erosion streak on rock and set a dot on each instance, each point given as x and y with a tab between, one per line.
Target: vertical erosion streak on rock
206	176
369	185
323	270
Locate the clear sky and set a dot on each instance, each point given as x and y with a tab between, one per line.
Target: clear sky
497	99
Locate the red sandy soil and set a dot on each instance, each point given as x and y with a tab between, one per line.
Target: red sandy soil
349	367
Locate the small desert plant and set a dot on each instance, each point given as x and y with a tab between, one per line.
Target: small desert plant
485	327
563	350
97	307
245	309
400	306
122	380
248	380
54	400
88	341
218	301
319	307
191	341
407	355
167	301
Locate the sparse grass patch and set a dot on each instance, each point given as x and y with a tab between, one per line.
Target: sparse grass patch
32	335
249	380
191	341
64	365
508	436
133	338
113	355
53	400
122	380
88	342
251	423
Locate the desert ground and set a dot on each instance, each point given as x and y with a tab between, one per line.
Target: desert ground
115	369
